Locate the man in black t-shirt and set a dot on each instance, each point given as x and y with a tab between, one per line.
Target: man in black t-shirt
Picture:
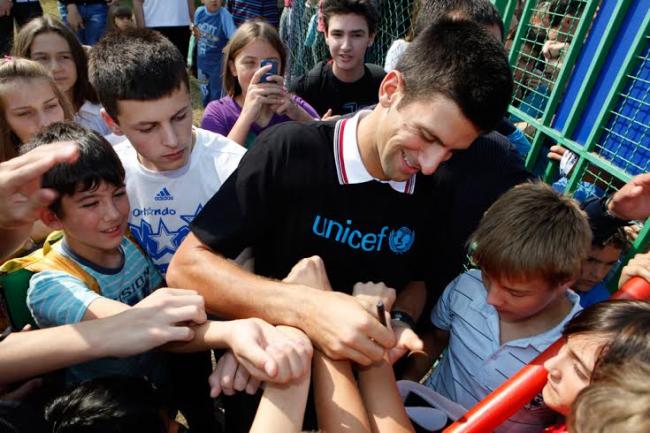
345	84
343	190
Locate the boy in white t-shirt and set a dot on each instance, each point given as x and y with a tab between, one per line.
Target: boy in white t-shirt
172	169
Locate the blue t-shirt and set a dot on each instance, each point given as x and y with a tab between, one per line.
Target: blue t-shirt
57	298
596	294
216	29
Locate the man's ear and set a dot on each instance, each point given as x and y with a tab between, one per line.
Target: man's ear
111	123
371	40
50	219
391	88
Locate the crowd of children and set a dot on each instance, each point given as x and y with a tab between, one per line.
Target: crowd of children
306	232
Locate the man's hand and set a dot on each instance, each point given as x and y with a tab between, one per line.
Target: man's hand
21	194
632	202
5	7
266	352
161	317
336	322
75	21
638	266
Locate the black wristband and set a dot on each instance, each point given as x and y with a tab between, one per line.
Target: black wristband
403	317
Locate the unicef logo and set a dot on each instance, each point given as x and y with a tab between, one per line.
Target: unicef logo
401	240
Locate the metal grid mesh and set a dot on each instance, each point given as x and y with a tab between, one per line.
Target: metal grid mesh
625	139
306	46
546	39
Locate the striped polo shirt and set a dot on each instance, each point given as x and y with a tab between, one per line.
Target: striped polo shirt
475	362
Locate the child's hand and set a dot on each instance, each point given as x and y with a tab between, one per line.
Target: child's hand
230	377
159	318
638	266
260	95
369	294
21	194
267	353
310	272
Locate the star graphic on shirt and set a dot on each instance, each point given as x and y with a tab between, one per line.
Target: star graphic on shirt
164	239
188	218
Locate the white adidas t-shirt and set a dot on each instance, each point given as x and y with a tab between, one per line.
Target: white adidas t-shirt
164	203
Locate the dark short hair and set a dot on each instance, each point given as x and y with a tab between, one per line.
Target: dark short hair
117	10
82	90
138	64
458	59
97	161
626	323
481	12
115	404
365	8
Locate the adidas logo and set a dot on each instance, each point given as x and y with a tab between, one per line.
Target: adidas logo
163	194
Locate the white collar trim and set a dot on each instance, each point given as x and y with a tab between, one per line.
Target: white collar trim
349	166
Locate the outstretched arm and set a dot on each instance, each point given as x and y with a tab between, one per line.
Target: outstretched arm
632	202
150	323
334	321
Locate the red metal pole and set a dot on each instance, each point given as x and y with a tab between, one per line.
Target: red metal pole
514	393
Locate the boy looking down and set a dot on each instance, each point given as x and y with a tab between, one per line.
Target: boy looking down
529	247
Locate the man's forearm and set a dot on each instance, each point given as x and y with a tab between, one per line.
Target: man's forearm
232	292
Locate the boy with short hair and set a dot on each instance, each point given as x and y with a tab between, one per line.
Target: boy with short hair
346	84
172	169
529	247
605	252
105	273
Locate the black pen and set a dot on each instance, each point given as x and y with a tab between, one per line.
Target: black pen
381	313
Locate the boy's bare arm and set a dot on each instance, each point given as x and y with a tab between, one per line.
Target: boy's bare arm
334	321
382	400
339	406
282	407
148	324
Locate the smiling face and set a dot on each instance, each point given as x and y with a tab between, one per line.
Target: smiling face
570	370
596	267
247	61
94	220
417	136
29	106
160	130
347	37
53	51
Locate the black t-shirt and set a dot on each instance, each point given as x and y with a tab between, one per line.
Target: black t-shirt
466	185
285	201
322	90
